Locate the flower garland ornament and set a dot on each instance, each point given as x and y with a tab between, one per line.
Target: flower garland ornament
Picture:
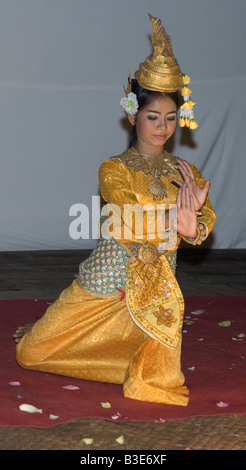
130	103
186	110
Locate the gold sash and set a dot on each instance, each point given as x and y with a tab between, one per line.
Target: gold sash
154	299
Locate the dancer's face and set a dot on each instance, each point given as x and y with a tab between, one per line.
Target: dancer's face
155	124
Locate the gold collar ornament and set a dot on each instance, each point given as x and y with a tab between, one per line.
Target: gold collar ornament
161	72
159	166
156	166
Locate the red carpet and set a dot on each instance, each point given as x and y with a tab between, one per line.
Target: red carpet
213	361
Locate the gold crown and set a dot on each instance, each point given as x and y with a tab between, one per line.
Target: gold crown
160	71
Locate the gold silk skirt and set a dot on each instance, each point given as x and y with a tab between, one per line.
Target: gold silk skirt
89	337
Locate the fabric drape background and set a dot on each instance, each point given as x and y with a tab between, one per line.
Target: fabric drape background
63	65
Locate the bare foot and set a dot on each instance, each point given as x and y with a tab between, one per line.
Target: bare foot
21	331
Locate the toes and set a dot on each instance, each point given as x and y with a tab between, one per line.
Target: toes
21	331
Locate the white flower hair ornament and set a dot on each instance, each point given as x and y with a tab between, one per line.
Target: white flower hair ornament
130	103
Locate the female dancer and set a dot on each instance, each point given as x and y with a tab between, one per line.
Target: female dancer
121	320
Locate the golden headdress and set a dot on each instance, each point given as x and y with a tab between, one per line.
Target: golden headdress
161	72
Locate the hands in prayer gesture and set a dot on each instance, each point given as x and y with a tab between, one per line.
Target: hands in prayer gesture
199	194
190	199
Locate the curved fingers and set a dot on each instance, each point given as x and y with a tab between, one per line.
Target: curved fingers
185	170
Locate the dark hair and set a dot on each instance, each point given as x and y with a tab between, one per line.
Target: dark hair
145	97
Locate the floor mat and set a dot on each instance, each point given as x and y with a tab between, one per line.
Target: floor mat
213	362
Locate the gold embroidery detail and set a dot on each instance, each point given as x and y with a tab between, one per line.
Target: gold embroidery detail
165	316
157	188
148	253
149	287
155	166
150	283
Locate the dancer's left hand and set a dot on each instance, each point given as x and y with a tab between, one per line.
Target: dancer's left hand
199	195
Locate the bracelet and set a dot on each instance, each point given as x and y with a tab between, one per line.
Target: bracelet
202	233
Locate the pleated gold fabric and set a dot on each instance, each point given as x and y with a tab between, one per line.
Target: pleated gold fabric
155	375
91	335
82	335
93	338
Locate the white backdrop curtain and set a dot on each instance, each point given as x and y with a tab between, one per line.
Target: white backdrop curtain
63	64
